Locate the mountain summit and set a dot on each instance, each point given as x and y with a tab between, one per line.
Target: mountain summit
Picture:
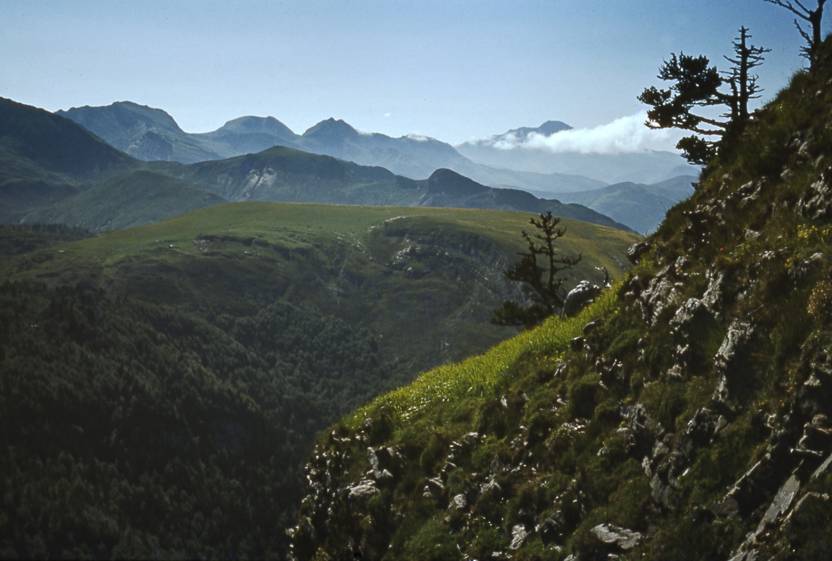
331	130
521	134
256	125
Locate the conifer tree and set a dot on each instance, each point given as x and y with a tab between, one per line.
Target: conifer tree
539	269
696	89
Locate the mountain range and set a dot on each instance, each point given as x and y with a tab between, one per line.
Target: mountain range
151	134
58	172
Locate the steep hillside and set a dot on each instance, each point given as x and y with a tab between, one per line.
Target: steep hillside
641	207
44	158
162	384
684	415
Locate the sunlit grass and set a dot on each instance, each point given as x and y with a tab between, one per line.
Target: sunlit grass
480	374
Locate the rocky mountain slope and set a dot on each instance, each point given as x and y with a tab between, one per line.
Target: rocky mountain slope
683	415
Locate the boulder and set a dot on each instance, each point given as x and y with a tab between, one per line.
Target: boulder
580	297
661	293
816	204
363	489
635	251
458	502
781	503
727	356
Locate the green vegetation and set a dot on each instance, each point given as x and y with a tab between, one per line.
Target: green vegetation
684	416
161	385
438	391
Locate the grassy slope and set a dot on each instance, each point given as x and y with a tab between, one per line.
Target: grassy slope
129	199
288	223
334	257
554	441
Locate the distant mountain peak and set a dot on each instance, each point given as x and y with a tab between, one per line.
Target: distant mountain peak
551	127
126	113
253	124
330	128
548	128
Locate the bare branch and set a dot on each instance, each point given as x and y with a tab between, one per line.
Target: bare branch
790	7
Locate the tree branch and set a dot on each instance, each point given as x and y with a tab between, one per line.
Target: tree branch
790	7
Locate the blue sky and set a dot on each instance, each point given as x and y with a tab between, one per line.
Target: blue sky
450	69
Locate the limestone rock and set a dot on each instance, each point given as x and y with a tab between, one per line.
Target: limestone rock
580	297
519	534
621	538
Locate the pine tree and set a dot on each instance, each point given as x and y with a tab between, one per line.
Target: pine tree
696	89
542	285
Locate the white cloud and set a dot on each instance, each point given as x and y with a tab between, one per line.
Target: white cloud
623	135
388	115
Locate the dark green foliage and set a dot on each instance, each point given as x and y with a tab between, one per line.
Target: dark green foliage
433	542
137	429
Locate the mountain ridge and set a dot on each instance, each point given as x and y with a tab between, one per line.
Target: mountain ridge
102	194
408	155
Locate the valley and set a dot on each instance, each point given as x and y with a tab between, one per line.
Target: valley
213	346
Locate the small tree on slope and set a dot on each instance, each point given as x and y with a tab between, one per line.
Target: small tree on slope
542	285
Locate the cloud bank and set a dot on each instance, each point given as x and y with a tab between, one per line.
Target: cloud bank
621	136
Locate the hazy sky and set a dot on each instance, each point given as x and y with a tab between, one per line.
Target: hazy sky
450	69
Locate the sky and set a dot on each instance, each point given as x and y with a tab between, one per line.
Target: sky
451	69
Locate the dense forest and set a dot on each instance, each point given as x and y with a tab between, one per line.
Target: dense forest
132	429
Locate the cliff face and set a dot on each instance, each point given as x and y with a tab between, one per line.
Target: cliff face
684	415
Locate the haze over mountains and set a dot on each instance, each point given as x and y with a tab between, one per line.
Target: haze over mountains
511	150
58	173
503	160
152	134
